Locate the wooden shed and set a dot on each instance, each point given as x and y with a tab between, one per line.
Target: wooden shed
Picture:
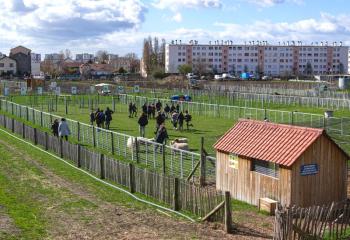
290	164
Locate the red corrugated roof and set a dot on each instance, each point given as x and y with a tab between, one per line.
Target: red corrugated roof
278	143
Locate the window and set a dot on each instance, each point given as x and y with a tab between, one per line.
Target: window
266	168
2	64
11	65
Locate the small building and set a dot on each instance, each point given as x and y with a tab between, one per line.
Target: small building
7	66
290	164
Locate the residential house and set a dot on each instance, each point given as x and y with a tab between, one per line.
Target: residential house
8	66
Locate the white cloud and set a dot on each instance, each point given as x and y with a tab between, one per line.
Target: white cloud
177	4
177	17
68	19
270	3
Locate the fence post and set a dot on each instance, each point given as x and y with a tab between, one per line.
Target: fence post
202	164
46	141
137	151
163	159
35	136
79	156
27	114
228	217
66	105
13	125
94	136
61	148
132	177
113	102
176	206
12	111
78	131
102	166
41	118
112	143
23	131
33	115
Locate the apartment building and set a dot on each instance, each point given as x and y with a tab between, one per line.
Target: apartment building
35	64
84	57
53	58
273	60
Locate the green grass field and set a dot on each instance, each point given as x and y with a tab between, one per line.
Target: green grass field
209	127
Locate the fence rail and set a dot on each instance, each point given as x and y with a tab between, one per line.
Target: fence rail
167	189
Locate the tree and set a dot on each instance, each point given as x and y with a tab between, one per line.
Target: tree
245	69
146	56
184	69
102	56
133	61
308	69
122	70
341	68
153	54
67	54
200	67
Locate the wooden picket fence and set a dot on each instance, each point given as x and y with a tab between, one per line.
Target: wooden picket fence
330	221
205	203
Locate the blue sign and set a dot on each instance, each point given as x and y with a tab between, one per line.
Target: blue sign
308	169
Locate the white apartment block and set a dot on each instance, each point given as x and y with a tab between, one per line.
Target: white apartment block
84	57
35	64
53	57
273	60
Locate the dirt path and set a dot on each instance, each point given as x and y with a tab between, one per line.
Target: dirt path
99	219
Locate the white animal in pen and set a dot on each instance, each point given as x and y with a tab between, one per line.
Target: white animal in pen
131	142
180	143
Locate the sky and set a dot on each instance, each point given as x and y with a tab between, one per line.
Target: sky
119	26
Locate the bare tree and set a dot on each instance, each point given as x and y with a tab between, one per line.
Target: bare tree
133	61
146	56
102	56
67	54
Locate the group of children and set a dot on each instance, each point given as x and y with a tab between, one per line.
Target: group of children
102	118
176	116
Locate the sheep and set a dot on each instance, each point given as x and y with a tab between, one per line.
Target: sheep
132	141
179	140
181	146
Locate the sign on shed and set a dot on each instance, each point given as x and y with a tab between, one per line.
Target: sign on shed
40	90
308	169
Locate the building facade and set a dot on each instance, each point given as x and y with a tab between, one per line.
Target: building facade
22	56
272	60
35	64
84	57
7	66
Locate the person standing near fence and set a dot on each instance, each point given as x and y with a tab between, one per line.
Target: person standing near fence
162	135
188	119
159	121
130	109
102	118
158	106
54	127
92	117
63	129
144	108
108	114
180	119
143	121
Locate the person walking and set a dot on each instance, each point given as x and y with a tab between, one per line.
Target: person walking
102	118
149	111
130	109
172	108
174	119
108	114
63	129
188	119
167	110
180	119
158	106
144	108
143	121
159	121
162	135
92	117
134	110
97	118
177	108
54	127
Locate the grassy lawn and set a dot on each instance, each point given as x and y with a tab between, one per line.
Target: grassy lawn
208	126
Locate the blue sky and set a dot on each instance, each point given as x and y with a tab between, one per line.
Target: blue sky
119	26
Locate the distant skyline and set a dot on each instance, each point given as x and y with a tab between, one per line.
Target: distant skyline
119	27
